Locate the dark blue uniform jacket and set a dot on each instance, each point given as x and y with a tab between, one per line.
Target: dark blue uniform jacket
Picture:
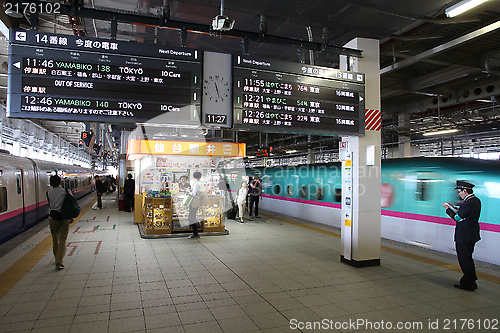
467	218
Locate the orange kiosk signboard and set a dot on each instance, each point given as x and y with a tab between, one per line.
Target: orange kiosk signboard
189	148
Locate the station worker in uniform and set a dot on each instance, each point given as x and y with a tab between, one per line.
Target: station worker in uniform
466	232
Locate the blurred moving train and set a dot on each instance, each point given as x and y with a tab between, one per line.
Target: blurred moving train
412	192
23	184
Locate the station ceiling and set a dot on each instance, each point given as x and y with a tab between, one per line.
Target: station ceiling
436	72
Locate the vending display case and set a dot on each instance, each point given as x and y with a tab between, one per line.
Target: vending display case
211	214
157	215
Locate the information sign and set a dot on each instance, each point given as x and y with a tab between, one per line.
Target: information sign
277	96
78	78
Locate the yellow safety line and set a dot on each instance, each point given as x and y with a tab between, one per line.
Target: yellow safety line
481	275
14	273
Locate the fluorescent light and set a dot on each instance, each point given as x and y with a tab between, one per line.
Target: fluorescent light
441	132
291	151
462	7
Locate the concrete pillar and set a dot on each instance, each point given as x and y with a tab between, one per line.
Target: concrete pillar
361	172
404	147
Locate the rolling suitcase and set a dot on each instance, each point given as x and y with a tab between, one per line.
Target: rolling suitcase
121	204
231	213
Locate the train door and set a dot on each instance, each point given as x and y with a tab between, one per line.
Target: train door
19	174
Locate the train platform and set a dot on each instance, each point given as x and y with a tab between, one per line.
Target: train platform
275	274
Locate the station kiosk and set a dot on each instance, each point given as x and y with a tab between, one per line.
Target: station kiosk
164	177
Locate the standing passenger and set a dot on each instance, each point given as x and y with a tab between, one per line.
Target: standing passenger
59	226
241	198
129	193
197	189
100	189
466	232
255	192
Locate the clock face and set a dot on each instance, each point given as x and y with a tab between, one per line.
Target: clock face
216	88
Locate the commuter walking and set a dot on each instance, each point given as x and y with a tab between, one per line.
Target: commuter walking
129	193
59	227
466	232
255	191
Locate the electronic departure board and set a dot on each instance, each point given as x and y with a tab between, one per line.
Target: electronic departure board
277	96
79	78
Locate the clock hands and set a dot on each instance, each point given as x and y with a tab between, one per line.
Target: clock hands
217	89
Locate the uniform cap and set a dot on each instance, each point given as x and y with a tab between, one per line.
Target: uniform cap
462	184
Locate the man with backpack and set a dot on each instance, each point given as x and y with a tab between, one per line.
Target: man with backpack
59	226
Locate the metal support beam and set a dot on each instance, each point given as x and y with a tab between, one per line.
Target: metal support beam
114	28
440	48
133	18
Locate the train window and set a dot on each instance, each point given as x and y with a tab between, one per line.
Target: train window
3	199
289	190
18	181
421	191
277	189
319	193
303	192
337	194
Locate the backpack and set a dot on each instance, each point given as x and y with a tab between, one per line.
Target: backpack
70	208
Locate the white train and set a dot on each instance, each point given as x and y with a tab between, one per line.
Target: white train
23	186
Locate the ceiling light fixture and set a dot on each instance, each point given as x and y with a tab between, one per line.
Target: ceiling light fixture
291	151
441	132
462	7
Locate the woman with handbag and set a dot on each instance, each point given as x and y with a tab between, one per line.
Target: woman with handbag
241	199
195	204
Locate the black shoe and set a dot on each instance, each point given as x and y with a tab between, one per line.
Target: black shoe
194	237
459	286
59	266
241	221
257	216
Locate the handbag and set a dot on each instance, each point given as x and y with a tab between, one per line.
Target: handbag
199	200
187	200
70	208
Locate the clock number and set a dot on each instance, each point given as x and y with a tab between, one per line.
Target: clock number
215	119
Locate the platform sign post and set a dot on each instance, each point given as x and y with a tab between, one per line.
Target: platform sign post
346	217
361	177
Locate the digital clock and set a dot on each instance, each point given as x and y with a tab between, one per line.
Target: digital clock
215	119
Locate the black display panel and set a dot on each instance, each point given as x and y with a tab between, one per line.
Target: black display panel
78	78
278	96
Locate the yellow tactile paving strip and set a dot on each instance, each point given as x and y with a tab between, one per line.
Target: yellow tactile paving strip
481	275
15	272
